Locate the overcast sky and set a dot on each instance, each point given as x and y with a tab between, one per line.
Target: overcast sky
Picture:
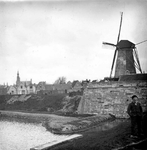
45	40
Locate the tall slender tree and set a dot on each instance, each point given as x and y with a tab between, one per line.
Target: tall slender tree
60	80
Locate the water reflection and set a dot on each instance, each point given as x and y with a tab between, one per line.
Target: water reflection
18	135
108	125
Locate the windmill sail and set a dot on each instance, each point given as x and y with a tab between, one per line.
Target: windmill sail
137	60
116	44
106	43
120	27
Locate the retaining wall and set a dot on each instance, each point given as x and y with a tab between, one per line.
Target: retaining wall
112	97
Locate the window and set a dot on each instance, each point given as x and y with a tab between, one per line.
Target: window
23	92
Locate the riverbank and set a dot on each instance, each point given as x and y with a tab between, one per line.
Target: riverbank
35	117
115	138
62	124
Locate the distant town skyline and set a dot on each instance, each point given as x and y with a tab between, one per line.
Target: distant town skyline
44	40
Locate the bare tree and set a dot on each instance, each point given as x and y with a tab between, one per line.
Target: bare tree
60	80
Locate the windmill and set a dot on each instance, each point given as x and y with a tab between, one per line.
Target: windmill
127	60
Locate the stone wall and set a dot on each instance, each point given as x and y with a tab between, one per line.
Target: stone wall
112	97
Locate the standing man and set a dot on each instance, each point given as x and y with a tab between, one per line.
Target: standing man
135	112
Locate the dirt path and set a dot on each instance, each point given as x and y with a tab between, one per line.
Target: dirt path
96	139
37	115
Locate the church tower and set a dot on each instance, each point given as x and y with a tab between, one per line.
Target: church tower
18	79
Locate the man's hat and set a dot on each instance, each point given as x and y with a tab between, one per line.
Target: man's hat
134	96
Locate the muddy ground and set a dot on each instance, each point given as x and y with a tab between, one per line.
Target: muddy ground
116	137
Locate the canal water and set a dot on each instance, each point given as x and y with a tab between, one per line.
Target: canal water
23	136
17	134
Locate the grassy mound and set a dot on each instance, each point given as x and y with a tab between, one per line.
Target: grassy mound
48	103
59	104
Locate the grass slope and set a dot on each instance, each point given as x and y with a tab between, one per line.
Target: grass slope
34	103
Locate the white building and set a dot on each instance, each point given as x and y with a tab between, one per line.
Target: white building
22	87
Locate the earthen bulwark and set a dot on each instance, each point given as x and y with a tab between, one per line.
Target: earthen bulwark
112	97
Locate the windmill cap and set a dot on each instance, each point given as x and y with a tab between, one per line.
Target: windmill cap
125	44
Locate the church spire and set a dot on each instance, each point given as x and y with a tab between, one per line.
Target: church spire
18	79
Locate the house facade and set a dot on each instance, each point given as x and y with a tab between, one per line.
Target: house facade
43	88
76	86
12	90
22	87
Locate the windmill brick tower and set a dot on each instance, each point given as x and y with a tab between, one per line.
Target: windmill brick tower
125	63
